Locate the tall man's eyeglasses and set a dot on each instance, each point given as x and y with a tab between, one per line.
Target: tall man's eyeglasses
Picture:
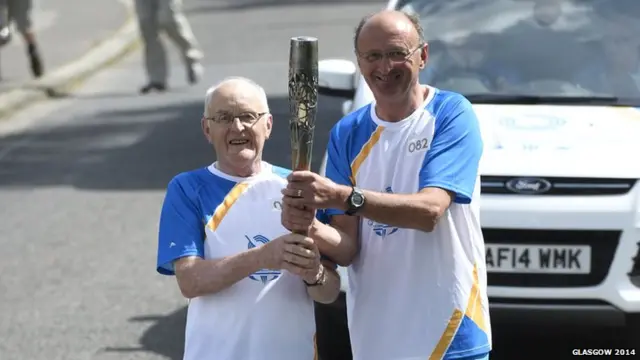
396	55
247	119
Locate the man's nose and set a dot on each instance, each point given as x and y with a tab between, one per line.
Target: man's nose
236	125
385	65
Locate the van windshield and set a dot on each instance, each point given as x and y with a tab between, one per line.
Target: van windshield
532	50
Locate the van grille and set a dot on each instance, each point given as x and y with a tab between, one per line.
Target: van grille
557	185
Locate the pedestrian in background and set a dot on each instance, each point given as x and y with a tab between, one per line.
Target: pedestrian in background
154	17
18	13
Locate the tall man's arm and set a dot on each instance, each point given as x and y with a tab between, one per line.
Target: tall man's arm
420	211
448	174
338	240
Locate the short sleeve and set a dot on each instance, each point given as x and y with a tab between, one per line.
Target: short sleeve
338	168
321	215
453	159
181	231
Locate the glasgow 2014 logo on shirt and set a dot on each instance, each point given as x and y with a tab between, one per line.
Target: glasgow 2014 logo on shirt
383	230
264	275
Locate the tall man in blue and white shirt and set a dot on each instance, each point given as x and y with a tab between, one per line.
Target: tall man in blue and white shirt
251	282
402	189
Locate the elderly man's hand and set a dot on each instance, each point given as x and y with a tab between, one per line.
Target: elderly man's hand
295	253
310	190
296	219
303	259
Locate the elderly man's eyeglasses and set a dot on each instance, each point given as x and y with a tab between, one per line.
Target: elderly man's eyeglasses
396	55
248	118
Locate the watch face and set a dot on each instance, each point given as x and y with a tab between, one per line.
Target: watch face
357	199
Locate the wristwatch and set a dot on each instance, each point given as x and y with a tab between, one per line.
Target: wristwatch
355	202
320	279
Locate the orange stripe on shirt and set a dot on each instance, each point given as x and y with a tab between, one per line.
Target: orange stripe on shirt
474	304
223	208
473	312
364	152
447	335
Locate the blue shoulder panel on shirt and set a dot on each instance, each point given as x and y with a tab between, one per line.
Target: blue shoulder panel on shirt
280	171
321	215
189	202
347	138
453	159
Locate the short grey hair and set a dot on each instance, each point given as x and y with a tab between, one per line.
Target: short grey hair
234	79
412	17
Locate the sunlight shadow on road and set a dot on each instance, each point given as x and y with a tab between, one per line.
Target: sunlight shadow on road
138	148
164	337
177	90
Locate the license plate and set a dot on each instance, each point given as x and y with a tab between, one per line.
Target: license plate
549	259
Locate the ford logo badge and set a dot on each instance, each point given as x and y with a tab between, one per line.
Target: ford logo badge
528	186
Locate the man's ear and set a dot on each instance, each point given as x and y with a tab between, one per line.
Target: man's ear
269	125
204	124
424	55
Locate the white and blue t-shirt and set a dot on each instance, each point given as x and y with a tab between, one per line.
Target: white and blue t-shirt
413	294
266	316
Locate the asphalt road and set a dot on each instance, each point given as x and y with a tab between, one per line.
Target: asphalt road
82	181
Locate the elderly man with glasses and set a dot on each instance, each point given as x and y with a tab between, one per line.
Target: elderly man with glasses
251	283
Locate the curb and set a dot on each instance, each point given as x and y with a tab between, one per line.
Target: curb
62	79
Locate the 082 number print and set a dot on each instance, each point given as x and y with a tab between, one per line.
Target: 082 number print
417	145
